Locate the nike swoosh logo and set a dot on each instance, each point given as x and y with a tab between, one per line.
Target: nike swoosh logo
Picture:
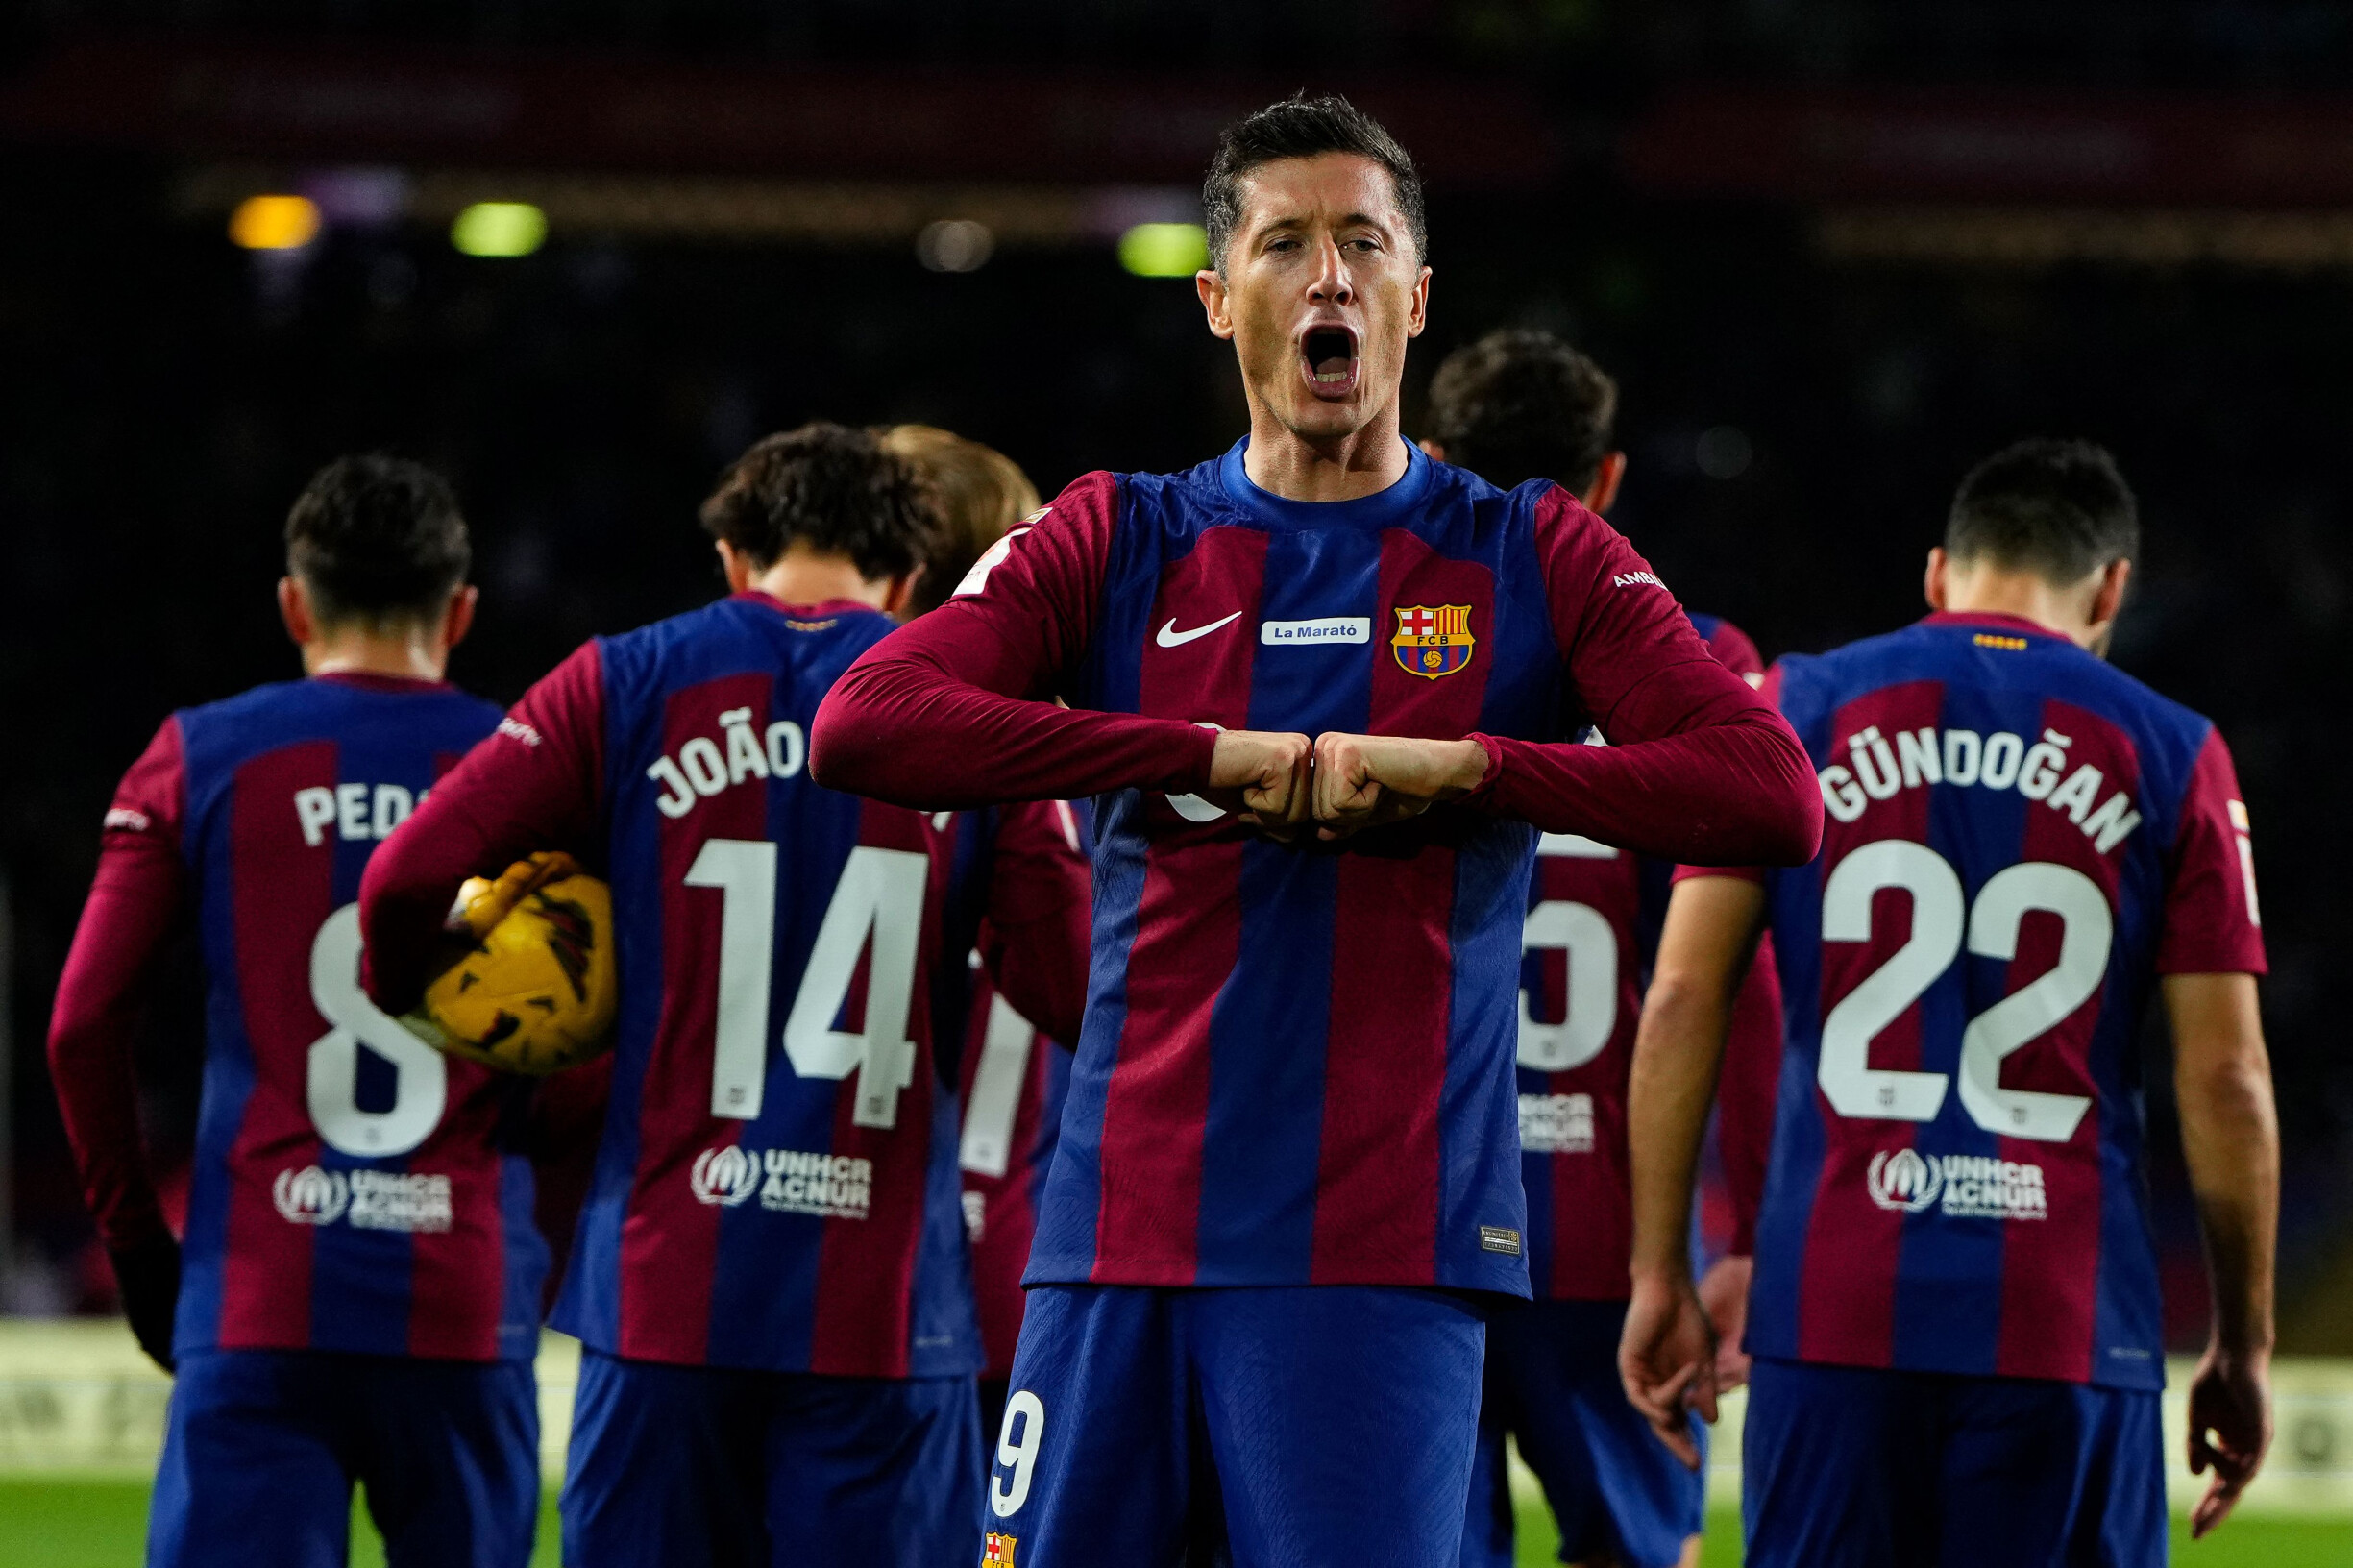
1170	637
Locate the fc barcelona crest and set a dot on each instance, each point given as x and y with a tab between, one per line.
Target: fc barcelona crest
997	1551
1434	640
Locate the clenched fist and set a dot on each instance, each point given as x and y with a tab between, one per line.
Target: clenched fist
1366	781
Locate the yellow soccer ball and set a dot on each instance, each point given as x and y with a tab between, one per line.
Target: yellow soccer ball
537	990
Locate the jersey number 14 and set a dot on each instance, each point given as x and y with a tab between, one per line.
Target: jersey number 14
881	896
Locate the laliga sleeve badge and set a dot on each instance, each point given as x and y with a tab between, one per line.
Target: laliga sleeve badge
996	1550
1432	640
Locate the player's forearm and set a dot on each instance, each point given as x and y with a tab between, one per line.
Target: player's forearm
907	724
478	820
2230	1143
1738	793
1746	1094
1677	1052
92	1028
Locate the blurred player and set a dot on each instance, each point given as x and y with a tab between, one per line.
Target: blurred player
360	1292
1295	1079
1517	406
979	493
1012	1078
769	1279
1955	1316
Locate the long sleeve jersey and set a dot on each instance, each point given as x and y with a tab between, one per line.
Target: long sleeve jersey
1297	1061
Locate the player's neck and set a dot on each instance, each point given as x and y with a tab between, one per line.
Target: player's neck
404	652
1366	461
2026	596
802	577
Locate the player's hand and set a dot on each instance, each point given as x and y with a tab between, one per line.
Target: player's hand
1724	1291
484	901
1263	776
1366	781
149	1275
2230	1427
1667	1359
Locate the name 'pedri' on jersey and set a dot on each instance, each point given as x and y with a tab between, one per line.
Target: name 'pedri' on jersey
2022	838
776	1187
352	1188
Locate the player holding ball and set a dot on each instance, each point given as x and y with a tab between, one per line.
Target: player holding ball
1328	692
770	1278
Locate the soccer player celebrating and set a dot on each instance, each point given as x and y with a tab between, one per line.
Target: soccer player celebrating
358	1294
1514	406
1325	688
1955	1316
770	1277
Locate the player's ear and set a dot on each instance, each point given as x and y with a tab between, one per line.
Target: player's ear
735	566
898	600
2108	598
1603	493
294	609
1933	585
457	616
1419	316
1215	300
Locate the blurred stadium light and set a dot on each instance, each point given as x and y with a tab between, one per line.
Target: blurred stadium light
274	223
499	229
1165	250
955	245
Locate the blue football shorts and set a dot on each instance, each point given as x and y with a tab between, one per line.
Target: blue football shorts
717	1467
1295	1427
262	1448
1858	1467
1615	1490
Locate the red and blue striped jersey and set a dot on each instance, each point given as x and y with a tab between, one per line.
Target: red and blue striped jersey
1592	930
1013	1080
776	1185
352	1188
1297	1060
2021	839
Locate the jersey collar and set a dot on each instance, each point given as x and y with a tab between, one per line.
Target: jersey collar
1996	621
370	681
1374	511
803	612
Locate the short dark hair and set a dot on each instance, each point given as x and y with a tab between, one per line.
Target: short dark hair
834	487
1521	404
375	539
2058	508
1304	127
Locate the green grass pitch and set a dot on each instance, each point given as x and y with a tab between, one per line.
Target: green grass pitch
102	1524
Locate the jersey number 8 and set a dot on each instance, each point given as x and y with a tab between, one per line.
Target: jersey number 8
331	1079
1856	1088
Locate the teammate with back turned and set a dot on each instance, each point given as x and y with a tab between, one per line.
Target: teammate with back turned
770	1278
1325	690
1955	1315
361	1294
1514	406
1012	1078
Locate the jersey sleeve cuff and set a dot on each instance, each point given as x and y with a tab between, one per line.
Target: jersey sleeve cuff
1482	793
1744	874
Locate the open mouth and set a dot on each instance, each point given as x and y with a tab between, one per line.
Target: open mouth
1327	357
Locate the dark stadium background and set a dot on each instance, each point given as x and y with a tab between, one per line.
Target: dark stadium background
1834	251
